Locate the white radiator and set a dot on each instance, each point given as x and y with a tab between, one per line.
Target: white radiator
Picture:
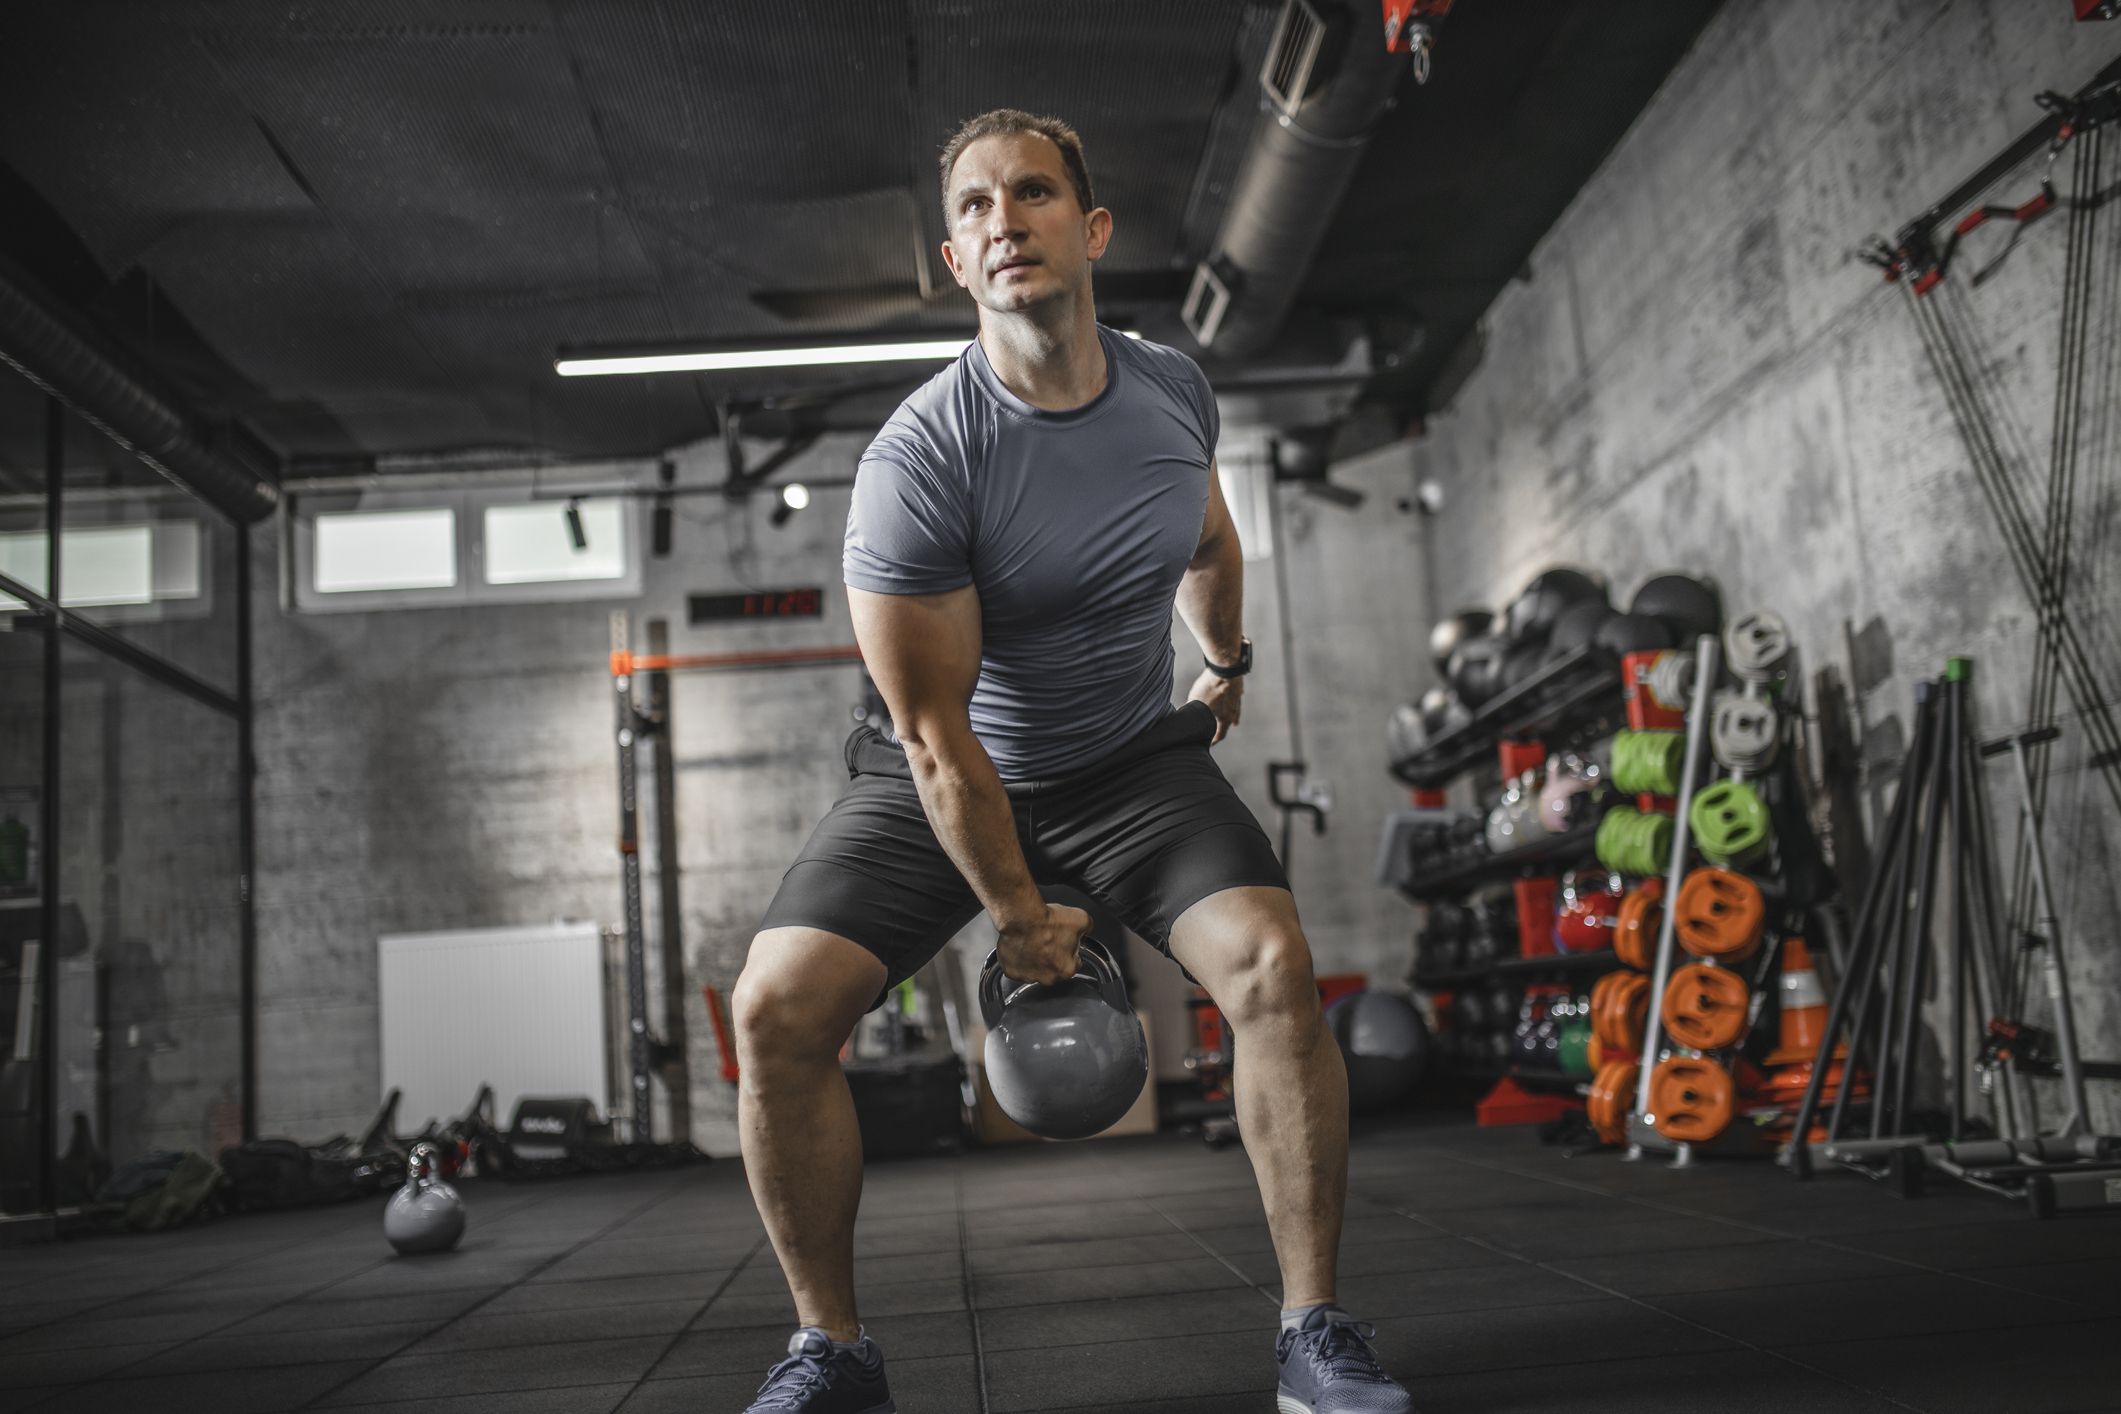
520	1009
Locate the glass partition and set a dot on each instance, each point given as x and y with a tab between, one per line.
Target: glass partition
22	949
143	558
24	507
124	983
149	1015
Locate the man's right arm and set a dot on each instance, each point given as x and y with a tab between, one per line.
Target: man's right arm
923	650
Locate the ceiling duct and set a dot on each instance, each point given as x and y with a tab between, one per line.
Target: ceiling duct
1326	80
226	467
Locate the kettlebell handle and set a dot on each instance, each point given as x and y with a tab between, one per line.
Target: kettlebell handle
1094	965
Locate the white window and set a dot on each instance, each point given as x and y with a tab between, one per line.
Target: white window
109	566
362	551
540	543
489	544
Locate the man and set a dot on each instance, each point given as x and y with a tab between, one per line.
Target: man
1019	533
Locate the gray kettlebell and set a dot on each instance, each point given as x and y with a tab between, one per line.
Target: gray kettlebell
426	1215
1064	1061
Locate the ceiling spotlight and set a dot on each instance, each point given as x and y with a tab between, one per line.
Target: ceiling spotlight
575	532
794	496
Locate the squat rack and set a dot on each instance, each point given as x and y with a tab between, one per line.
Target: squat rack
647	1052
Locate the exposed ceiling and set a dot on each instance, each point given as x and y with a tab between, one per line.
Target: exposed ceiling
364	227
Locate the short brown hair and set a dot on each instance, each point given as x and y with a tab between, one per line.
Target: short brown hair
1003	121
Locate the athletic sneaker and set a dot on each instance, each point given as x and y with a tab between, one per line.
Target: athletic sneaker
1327	1367
817	1379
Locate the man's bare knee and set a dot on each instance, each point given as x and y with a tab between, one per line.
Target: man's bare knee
1271	981
799	996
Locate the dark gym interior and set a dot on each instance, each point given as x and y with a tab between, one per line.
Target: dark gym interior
1673	452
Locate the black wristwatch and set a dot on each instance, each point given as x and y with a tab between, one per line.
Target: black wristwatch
1244	662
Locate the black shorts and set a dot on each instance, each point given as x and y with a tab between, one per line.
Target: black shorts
1148	831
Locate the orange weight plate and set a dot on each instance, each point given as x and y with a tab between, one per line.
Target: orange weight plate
1704	1007
1719	915
1620	1008
1693	1099
1601	1011
1612	1099
1635	932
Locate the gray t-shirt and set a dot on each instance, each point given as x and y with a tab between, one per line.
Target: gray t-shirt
1075	526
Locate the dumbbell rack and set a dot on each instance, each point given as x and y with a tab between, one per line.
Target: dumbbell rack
1699	1085
1581	686
1576	697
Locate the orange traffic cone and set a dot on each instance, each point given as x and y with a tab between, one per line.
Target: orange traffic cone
1803	1023
1803	1006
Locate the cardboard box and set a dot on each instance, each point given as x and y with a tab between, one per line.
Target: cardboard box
991	1126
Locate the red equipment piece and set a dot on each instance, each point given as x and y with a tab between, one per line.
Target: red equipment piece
1511	1103
1535	916
1586	919
1645	712
1518	757
721	1034
1403	16
1916	252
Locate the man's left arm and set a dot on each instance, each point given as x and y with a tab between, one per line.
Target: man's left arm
1211	599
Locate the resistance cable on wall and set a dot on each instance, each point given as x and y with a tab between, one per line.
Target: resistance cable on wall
2043	562
2071	661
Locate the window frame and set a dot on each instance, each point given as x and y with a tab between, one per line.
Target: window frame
468	504
164	522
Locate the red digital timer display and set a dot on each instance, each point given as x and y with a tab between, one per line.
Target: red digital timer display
804	603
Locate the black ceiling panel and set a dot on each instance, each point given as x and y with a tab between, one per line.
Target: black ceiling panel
366	226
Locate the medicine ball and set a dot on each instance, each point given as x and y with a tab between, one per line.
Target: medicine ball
1551	593
1578	626
1475	669
1461	627
1406	731
1385	1044
1518	663
1435	709
1633	633
1689	607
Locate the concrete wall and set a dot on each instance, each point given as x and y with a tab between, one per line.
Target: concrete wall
434	768
1694	373
454	767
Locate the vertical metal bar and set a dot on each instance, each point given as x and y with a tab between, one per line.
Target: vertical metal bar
1917	945
1895	919
2079	1118
630	870
1868	1030
47	1012
247	825
670	916
1707	662
1962	962
1980	964
2015	1099
1859	967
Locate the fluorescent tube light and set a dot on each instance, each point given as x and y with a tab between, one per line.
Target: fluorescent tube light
717	361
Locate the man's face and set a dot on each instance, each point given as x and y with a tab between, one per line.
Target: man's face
1017	235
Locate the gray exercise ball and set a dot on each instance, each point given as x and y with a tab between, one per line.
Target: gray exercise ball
1385	1044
